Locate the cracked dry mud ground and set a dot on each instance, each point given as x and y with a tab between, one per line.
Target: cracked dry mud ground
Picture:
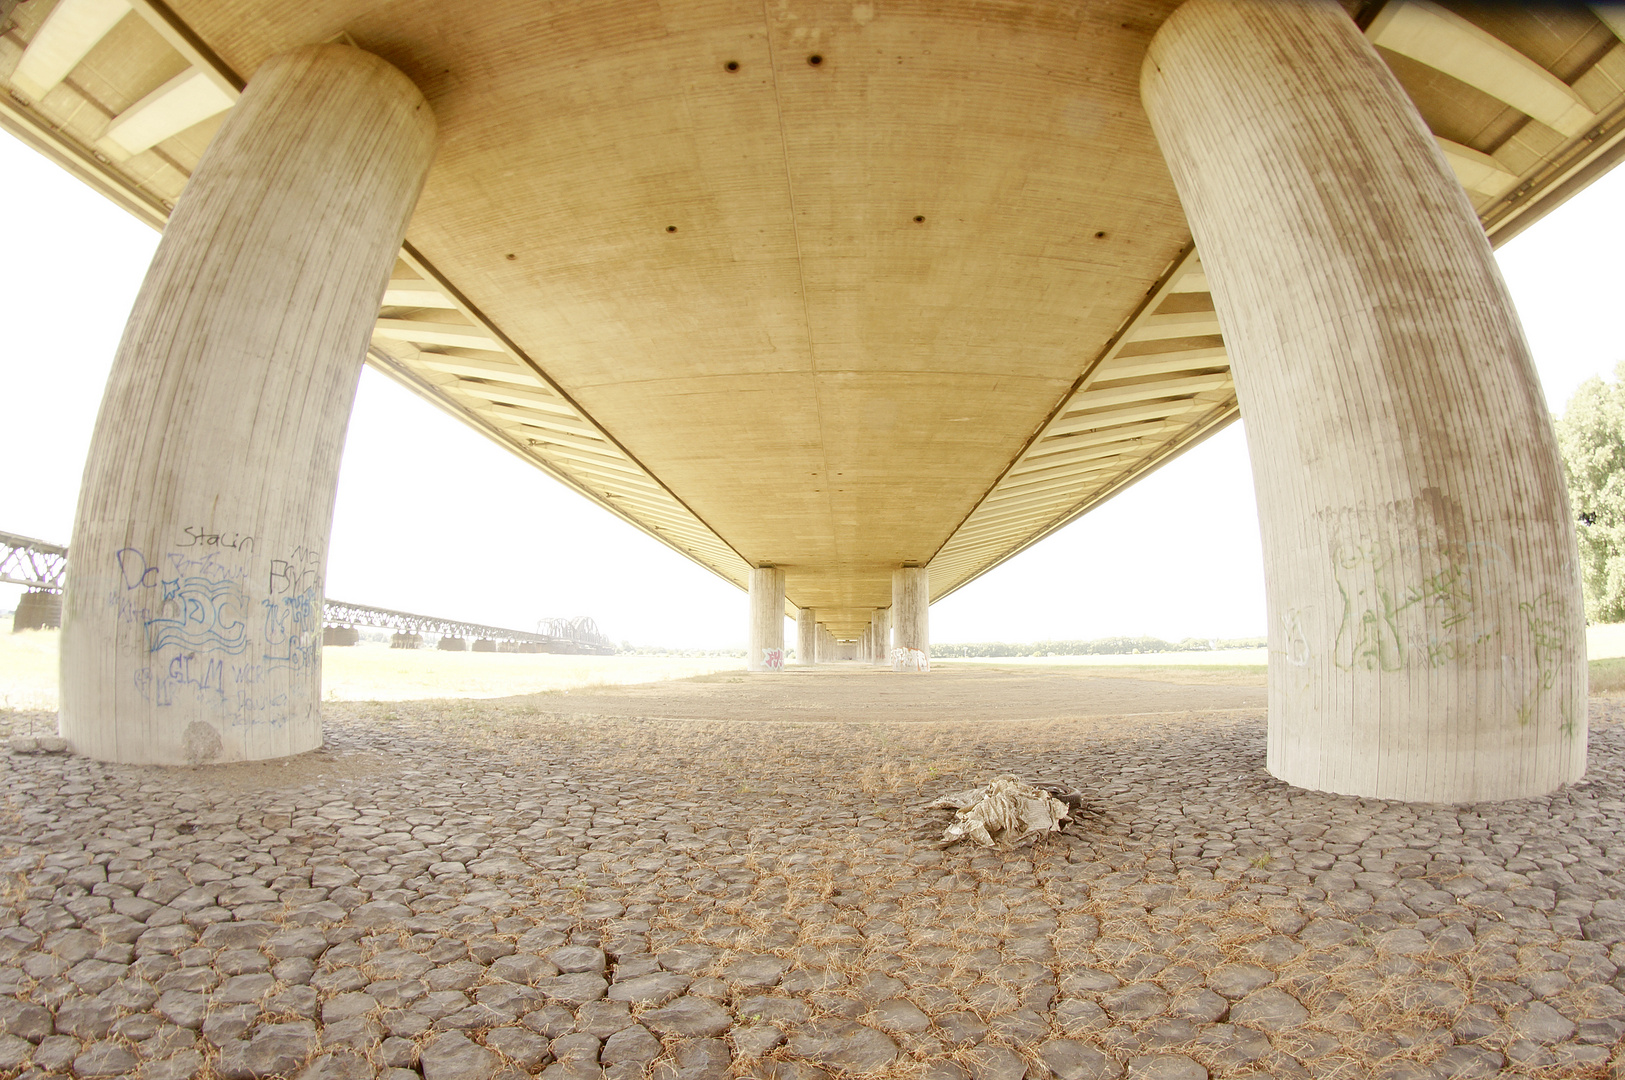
564	886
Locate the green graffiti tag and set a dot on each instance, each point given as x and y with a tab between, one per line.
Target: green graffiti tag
1389	624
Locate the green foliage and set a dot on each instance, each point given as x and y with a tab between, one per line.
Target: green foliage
1591	435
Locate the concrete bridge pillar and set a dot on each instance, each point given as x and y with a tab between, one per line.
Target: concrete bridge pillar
193	622
910	616
37	609
880	636
766	649
1426	629
806	637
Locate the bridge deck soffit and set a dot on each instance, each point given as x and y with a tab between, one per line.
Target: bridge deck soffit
126	95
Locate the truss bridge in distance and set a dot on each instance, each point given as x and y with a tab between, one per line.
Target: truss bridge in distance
579	635
41	567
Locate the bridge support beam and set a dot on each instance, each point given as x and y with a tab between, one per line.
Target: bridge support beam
806	637
766	619
910	615
193	618
1426	628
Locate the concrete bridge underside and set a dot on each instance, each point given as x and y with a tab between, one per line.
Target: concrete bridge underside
849	304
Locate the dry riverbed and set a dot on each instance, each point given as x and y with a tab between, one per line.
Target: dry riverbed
733	875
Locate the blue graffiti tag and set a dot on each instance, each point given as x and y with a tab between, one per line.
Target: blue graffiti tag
202	607
200	614
135	570
293	629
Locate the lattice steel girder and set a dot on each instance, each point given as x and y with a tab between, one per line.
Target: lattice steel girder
339	612
39	564
34	563
582	630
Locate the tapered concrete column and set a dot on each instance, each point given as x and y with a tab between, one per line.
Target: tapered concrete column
806	636
910	614
766	650
880	636
1426	629
193	624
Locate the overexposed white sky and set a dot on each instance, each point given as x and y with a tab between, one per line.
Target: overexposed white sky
433	518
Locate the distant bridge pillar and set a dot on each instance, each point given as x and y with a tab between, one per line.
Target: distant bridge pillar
880	636
1427	639
37	609
806	636
766	619
193	622
910	615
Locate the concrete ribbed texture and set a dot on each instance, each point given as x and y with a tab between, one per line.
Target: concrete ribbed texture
880	633
1426	629
910	611
193	619
766	618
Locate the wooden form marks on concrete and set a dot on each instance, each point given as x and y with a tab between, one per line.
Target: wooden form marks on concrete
1426	626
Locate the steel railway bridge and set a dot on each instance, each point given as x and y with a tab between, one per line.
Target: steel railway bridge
42	567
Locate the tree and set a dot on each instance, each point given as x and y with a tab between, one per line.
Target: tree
1591	436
